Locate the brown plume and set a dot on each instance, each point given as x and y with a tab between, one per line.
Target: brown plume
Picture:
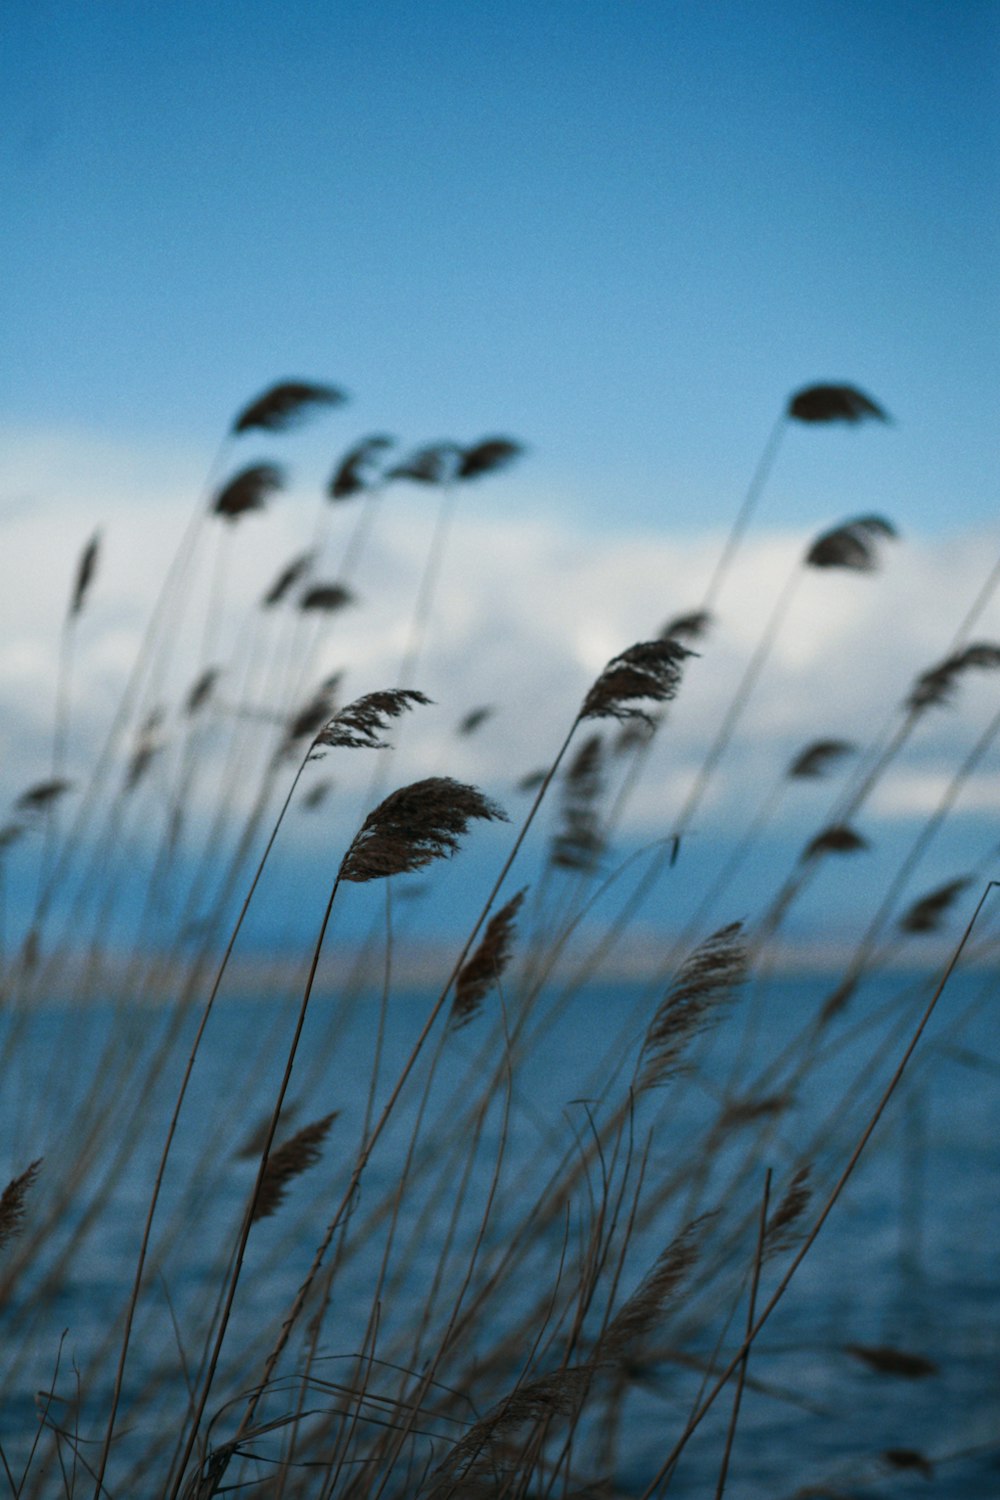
328	597
926	915
41	794
837	839
12	1203
834	403
851	546
886	1360
651	669
815	759
414	826
689	627
486	965
579	843
286	405
434	464
640	1313
487	456
784	1224
358	726
706	979
936	687
296	1156
352	475
201	690
250	489
311	718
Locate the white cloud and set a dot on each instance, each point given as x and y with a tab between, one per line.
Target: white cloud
526	614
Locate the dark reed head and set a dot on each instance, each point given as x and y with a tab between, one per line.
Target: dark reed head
353	475
473	720
650	670
248	490
834	403
358	726
85	570
706	980
936	687
487	457
928	914
286	405
286	580
289	1161
326	597
42	794
837	839
201	690
435	464
484	969
816	759
414	826
12	1203
693	626
853	546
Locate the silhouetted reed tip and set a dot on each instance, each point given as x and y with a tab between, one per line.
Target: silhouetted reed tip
359	725
650	670
286	405
834	403
414	826
485	967
248	490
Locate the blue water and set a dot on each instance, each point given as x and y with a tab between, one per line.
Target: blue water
908	1258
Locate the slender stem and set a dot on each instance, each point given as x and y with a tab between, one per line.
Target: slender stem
751	1311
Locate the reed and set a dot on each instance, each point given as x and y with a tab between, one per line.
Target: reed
370	1244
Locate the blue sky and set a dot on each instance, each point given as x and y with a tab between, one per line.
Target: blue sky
621	232
624	232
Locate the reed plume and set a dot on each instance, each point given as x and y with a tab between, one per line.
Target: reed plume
85	571
936	687
834	403
248	490
483	970
286	580
852	545
816	759
326	597
285	405
290	1160
650	670
352	475
837	839
784	1224
42	794
358	726
706	980
414	826
12	1203
487	456
637	1317
434	464
927	914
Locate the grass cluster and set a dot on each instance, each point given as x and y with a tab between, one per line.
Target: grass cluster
405	1276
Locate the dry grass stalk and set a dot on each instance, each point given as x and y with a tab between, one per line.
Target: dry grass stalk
650	670
358	726
285	405
707	979
834	403
250	489
296	1156
414	826
12	1203
486	965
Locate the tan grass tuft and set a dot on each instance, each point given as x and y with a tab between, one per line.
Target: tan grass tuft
414	826
296	1156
